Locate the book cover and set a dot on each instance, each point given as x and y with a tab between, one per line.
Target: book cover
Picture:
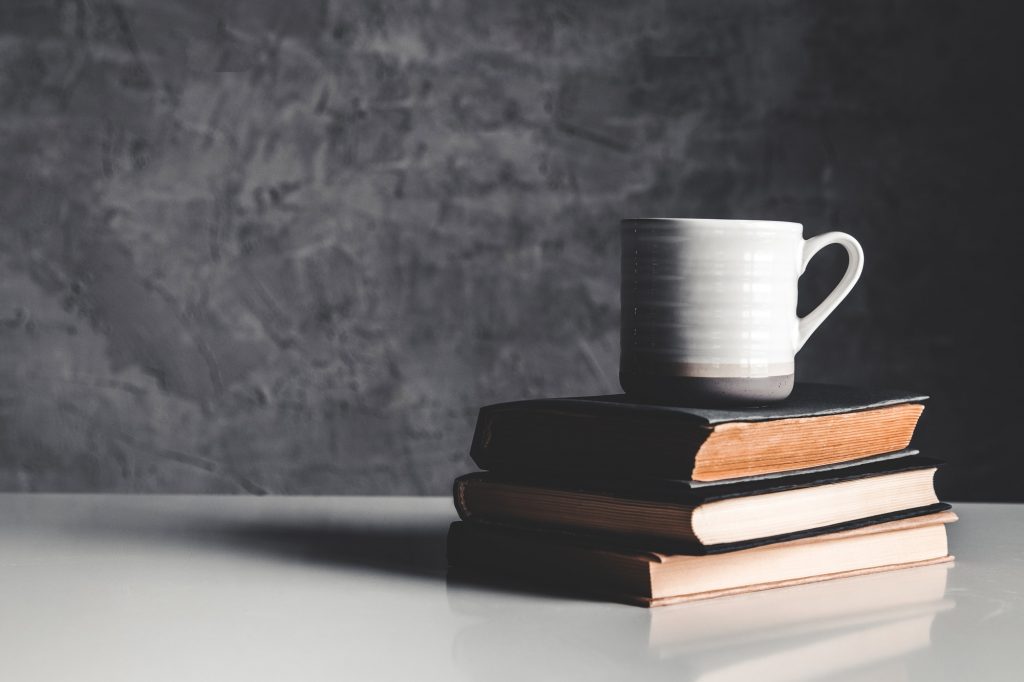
817	425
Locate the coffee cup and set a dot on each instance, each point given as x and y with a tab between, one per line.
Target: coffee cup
709	307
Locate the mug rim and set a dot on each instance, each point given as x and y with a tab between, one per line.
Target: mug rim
713	222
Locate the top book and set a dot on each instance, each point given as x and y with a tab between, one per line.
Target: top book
819	425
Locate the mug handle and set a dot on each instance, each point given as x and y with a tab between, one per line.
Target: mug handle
808	323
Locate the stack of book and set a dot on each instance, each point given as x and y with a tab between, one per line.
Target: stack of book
654	504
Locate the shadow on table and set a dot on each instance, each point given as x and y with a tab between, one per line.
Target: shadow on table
411	544
407	545
416	552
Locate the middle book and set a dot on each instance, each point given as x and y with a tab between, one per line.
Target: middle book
680	516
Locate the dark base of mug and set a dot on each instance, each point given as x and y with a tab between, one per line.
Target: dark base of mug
706	391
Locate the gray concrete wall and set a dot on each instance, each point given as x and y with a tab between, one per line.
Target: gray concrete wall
292	247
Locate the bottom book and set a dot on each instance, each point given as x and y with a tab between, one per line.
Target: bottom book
553	560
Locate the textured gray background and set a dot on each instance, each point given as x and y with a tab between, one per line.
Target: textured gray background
291	247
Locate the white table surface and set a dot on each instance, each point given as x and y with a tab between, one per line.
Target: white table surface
238	588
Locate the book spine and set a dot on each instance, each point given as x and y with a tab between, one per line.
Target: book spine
478	451
459	496
591	442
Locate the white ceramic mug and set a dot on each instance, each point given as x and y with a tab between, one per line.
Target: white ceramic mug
709	307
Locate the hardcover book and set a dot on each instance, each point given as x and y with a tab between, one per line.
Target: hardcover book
676	516
557	560
818	425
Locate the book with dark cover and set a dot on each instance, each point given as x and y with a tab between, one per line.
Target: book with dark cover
678	517
816	426
682	491
546	560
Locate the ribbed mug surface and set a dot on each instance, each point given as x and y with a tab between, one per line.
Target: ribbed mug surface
711	300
